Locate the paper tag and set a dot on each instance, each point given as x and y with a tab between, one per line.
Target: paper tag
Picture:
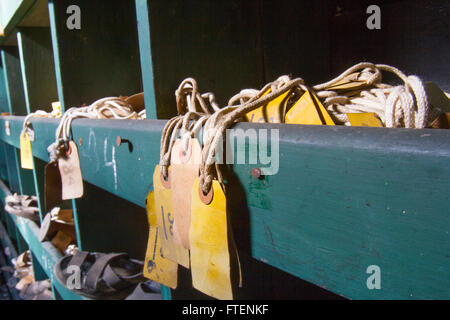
156	267
71	179
364	120
184	169
56	106
308	110
210	257
271	112
164	217
26	156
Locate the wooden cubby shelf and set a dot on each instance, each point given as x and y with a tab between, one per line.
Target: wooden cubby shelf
345	198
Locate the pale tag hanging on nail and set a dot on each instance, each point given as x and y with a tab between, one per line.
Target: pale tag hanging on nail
71	179
210	257
164	217
184	169
156	267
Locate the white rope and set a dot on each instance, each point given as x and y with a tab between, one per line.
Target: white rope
397	106
403	105
105	108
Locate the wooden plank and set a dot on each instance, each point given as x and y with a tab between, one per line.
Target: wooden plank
38	72
13	80
345	198
11	164
3	164
413	37
101	213
296	39
215	42
101	59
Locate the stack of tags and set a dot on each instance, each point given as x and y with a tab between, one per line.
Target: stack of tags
306	110
187	227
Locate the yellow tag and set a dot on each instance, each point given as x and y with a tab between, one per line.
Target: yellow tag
308	110
57	109
271	112
26	156
156	267
164	217
364	120
210	258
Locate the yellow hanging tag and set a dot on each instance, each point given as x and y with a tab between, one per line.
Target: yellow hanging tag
308	110
26	156
184	169
156	267
164	217
271	112
364	120
70	171
56	106
210	258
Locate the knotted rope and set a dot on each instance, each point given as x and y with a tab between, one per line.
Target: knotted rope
402	105
105	108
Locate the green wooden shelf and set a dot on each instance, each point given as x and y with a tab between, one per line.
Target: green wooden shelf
344	198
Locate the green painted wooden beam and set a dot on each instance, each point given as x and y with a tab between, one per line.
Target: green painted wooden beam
345	198
143	25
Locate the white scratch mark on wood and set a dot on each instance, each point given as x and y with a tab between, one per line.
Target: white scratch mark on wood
111	163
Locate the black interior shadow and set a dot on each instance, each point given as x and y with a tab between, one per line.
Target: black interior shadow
109	224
